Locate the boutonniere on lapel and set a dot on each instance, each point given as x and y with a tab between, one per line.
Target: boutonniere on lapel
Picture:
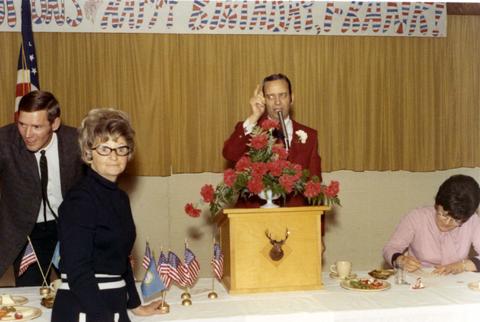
302	136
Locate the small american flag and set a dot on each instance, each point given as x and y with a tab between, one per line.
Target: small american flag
163	269
192	266
27	72
217	261
147	257
29	258
175	270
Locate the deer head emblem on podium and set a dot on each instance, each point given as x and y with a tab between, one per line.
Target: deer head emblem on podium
276	253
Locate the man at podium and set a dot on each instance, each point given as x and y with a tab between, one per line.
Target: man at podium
274	99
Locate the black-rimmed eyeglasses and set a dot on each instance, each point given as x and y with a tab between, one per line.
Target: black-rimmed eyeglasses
106	150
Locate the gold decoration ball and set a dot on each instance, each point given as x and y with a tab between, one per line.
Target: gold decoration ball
212	295
185	296
187	302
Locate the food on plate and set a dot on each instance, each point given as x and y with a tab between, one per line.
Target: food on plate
18	315
366	284
382	274
3	312
6	310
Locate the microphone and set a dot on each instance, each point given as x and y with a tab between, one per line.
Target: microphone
284	130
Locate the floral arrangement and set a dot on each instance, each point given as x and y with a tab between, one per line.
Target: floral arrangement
265	167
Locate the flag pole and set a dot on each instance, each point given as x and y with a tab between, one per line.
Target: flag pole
44	289
213	295
186	297
164	307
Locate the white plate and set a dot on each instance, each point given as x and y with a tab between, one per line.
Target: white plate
19	300
335	276
29	313
346	285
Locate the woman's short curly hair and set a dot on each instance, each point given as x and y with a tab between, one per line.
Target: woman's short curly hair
102	124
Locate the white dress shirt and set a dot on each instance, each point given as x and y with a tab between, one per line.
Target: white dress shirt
54	188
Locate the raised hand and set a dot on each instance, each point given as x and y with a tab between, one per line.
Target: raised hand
257	103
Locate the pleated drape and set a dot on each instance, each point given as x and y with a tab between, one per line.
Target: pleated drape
378	103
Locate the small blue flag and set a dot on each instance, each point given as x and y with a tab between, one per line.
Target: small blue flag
56	256
152	285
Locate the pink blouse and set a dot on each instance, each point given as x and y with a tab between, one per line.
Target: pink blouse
419	232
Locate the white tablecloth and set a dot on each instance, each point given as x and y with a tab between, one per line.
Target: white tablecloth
443	299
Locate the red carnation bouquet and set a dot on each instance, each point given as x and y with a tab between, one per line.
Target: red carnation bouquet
264	167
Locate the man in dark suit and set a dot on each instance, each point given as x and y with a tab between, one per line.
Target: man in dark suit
26	207
273	96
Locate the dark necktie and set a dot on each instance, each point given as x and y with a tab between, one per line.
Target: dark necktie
44	182
278	134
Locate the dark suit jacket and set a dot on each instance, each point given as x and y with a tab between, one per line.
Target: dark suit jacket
20	190
305	154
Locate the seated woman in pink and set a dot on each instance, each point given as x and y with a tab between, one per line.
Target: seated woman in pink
440	236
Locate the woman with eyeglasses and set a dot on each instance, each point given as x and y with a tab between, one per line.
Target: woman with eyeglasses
440	236
96	229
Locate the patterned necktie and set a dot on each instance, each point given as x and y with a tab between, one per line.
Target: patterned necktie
44	182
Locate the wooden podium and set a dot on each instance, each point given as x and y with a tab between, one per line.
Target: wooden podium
248	264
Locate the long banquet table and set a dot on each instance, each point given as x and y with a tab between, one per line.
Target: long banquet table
445	298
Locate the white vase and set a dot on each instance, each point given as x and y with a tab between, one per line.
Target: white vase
269	197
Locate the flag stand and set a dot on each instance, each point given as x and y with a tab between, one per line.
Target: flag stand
164	307
186	298
44	289
213	295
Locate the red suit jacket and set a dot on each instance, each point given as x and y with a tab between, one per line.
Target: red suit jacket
305	154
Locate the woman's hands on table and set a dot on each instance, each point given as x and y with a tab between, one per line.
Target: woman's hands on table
408	263
455	268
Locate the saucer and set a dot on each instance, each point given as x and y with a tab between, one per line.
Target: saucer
349	277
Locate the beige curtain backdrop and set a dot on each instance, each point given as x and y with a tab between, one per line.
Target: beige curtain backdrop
378	103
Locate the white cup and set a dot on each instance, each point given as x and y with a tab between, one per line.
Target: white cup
55	285
341	268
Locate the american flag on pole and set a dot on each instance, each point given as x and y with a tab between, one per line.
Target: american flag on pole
175	269
192	267
27	72
29	258
217	261
147	257
163	269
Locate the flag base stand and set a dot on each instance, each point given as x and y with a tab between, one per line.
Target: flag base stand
164	308
186	302
212	295
185	296
45	291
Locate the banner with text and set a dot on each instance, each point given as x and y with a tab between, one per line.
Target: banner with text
419	19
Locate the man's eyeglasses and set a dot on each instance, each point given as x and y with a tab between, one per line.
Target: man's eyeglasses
447	218
106	150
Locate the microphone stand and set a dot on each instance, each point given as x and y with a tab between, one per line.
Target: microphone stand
284	130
